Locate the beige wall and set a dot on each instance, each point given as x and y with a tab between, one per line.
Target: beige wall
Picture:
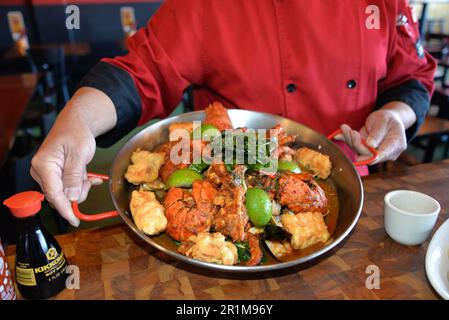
436	11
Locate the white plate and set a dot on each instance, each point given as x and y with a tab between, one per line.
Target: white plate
437	261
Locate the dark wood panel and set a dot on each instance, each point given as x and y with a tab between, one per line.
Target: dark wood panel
15	93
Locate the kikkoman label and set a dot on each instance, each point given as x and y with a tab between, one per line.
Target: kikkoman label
26	275
56	263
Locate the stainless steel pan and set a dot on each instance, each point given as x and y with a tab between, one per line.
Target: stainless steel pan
344	176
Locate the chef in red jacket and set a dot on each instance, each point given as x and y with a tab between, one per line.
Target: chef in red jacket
358	65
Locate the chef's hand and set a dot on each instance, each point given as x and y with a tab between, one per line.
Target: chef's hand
384	130
59	166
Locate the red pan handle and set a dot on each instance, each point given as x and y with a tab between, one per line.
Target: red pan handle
93	217
371	149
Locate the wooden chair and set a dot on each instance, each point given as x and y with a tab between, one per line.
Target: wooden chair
434	26
52	93
50	62
433	133
435	130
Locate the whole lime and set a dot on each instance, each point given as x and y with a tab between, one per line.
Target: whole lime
258	206
206	132
292	166
183	178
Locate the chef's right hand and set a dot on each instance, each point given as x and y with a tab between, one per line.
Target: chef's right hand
59	166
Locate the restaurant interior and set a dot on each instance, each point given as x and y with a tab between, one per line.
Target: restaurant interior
57	59
42	62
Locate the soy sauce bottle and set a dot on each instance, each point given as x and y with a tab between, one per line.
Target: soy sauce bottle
40	263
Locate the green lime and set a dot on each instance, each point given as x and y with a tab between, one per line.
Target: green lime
292	166
199	167
183	178
208	131
258	206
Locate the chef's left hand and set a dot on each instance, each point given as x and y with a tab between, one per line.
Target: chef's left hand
384	130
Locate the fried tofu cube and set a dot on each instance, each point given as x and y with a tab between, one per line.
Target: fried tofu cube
145	166
314	161
148	213
306	228
212	248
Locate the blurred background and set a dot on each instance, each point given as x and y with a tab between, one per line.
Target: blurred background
42	60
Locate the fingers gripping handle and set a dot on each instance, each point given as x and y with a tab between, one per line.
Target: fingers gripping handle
93	217
366	162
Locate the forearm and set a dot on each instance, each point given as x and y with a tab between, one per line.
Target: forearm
92	108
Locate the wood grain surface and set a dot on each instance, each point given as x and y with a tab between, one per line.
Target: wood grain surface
116	264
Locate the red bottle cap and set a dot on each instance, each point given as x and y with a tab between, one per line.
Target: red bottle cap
25	204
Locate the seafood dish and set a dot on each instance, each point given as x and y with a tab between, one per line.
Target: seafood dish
233	196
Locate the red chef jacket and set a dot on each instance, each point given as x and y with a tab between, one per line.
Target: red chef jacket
316	61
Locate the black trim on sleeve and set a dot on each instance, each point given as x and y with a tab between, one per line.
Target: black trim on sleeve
414	94
118	85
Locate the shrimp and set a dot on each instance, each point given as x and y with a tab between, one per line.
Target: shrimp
284	152
217	115
190	213
231	218
254	249
300	193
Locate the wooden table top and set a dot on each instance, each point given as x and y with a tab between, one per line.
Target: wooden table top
432	126
70	49
15	93
115	264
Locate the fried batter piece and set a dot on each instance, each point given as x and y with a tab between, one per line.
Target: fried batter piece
314	161
307	228
217	115
190	213
300	193
145	166
147	212
210	248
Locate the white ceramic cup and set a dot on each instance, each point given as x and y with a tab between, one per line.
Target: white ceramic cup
409	216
